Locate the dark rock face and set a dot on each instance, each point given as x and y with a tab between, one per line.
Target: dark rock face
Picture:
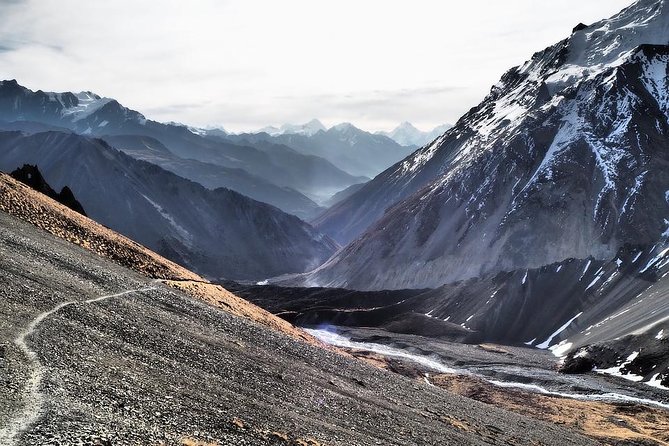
30	175
565	158
574	365
579	27
217	233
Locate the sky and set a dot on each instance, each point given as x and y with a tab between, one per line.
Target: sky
245	64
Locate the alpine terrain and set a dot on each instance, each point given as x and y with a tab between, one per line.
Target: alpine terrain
502	281
565	158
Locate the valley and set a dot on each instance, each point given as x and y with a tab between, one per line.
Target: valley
340	280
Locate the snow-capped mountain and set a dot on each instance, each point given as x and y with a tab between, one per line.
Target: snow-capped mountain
85	112
407	135
565	158
310	128
217	233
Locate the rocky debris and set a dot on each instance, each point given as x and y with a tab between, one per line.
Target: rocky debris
34	208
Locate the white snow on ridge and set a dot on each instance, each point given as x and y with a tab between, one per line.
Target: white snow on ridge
585	270
597	279
185	235
654	260
654	78
420	158
596	48
544	345
654	381
617	370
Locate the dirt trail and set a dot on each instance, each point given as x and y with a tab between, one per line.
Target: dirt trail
34	400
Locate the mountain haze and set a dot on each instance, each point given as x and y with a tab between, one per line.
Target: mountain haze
218	233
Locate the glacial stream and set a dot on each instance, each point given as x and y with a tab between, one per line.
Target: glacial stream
435	364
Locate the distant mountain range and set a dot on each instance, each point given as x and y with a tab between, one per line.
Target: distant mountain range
350	149
309	129
274	173
407	135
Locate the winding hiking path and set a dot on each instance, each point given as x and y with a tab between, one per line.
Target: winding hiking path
34	400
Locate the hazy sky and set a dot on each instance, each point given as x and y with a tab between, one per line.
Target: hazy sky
244	64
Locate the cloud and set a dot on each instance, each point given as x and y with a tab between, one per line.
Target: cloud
257	62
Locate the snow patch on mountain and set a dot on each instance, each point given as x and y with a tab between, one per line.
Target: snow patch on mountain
546	344
87	104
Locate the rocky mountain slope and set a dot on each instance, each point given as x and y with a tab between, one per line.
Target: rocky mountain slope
92	352
213	176
218	233
565	158
40	210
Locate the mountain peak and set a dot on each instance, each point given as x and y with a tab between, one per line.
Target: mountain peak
344	126
608	43
406	125
315	123
407	134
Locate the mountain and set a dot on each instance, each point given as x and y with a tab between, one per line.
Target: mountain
352	150
213	176
309	129
565	158
407	135
89	114
218	233
312	175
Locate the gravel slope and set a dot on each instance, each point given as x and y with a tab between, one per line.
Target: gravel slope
156	366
